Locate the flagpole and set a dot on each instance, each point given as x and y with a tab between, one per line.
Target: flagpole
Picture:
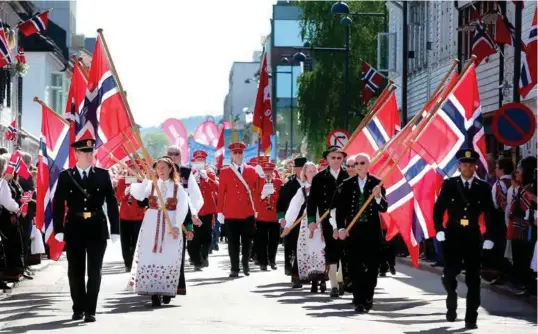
81	67
136	132
36	99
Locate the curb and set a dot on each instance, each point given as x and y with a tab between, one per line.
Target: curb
37	268
502	290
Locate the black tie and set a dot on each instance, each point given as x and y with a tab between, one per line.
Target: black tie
84	176
239	170
467	187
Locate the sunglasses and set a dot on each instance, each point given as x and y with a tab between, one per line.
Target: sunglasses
237	152
336	158
173	154
356	164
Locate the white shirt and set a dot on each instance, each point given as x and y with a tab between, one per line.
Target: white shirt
470	181
503	187
362	183
238	166
87	170
335	174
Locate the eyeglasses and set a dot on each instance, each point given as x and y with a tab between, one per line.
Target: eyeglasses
173	154
360	163
336	158
237	152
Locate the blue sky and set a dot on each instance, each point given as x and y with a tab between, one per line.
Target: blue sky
176	65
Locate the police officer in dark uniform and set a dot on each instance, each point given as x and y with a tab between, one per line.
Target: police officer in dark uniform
85	189
322	193
465	198
288	190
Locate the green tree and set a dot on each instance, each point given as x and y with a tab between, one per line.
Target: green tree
156	142
321	91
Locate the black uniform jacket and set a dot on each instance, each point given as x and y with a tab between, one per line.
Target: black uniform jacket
70	202
323	192
463	209
287	191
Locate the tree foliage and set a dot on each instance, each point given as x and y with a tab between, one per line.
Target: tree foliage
321	91
156	142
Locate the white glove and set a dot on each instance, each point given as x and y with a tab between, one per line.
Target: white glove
127	190
203	174
440	236
114	238
220	218
488	244
259	170
59	237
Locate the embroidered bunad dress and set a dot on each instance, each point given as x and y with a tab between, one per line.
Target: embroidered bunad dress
157	261
310	248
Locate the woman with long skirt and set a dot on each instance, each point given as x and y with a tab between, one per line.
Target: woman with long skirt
310	259
157	261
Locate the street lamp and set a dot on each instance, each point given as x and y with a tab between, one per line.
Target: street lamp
340	8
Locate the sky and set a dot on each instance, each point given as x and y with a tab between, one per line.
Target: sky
174	57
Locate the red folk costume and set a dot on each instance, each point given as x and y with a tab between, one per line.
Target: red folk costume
208	186
266	205
234	200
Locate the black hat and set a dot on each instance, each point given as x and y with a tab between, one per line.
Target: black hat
333	149
467	155
299	162
85	145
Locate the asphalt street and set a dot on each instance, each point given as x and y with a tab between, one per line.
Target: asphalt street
412	301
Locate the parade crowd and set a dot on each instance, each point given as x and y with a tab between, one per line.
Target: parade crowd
162	212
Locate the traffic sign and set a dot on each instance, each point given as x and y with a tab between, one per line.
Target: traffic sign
514	124
338	137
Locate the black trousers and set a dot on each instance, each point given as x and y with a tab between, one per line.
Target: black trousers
12	244
363	261
200	244
388	254
463	250
290	252
182	286
129	230
267	237
26	230
522	251
240	233
494	258
333	248
84	296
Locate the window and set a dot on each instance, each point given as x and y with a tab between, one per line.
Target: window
417	35
57	92
287	33
484	9
283	81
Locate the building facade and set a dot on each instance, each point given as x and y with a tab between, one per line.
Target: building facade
441	31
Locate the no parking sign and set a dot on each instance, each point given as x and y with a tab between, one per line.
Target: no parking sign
514	124
338	137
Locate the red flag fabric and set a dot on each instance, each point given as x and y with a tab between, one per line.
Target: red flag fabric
16	165
53	159
74	105
207	133
20	57
177	135
483	45
262	122
36	24
11	133
5	57
529	61
25	199
219	153
371	82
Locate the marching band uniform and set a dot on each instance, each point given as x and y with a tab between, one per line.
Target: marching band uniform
290	241
235	207
131	216
208	184
322	194
464	200
85	228
157	264
365	240
267	227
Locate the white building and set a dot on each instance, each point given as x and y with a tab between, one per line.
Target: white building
434	34
242	92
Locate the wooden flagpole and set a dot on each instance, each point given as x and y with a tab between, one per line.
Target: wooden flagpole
36	99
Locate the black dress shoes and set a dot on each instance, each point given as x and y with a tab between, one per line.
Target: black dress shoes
234	274
246	271
167	300
360	308
89	318
451	316
77	316
471	325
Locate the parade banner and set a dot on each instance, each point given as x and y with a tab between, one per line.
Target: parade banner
177	135
196	146
207	133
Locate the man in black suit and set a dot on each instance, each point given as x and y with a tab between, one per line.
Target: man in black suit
321	199
364	242
465	198
85	189
288	190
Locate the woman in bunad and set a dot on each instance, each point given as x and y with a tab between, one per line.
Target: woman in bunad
157	261
310	261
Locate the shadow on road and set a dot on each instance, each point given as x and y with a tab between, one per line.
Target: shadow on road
113	268
27	306
43	326
129	303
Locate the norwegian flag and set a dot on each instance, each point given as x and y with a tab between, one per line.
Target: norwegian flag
11	133
74	105
505	32
53	159
529	60
379	130
207	133
5	58
105	116
25	200
219	153
38	23
483	45
20	57
371	82
16	165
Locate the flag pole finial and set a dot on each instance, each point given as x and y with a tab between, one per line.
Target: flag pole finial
36	99
100	30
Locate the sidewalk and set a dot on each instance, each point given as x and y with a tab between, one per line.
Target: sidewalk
504	290
44	264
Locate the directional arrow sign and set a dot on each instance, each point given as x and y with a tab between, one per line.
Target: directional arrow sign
338	137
